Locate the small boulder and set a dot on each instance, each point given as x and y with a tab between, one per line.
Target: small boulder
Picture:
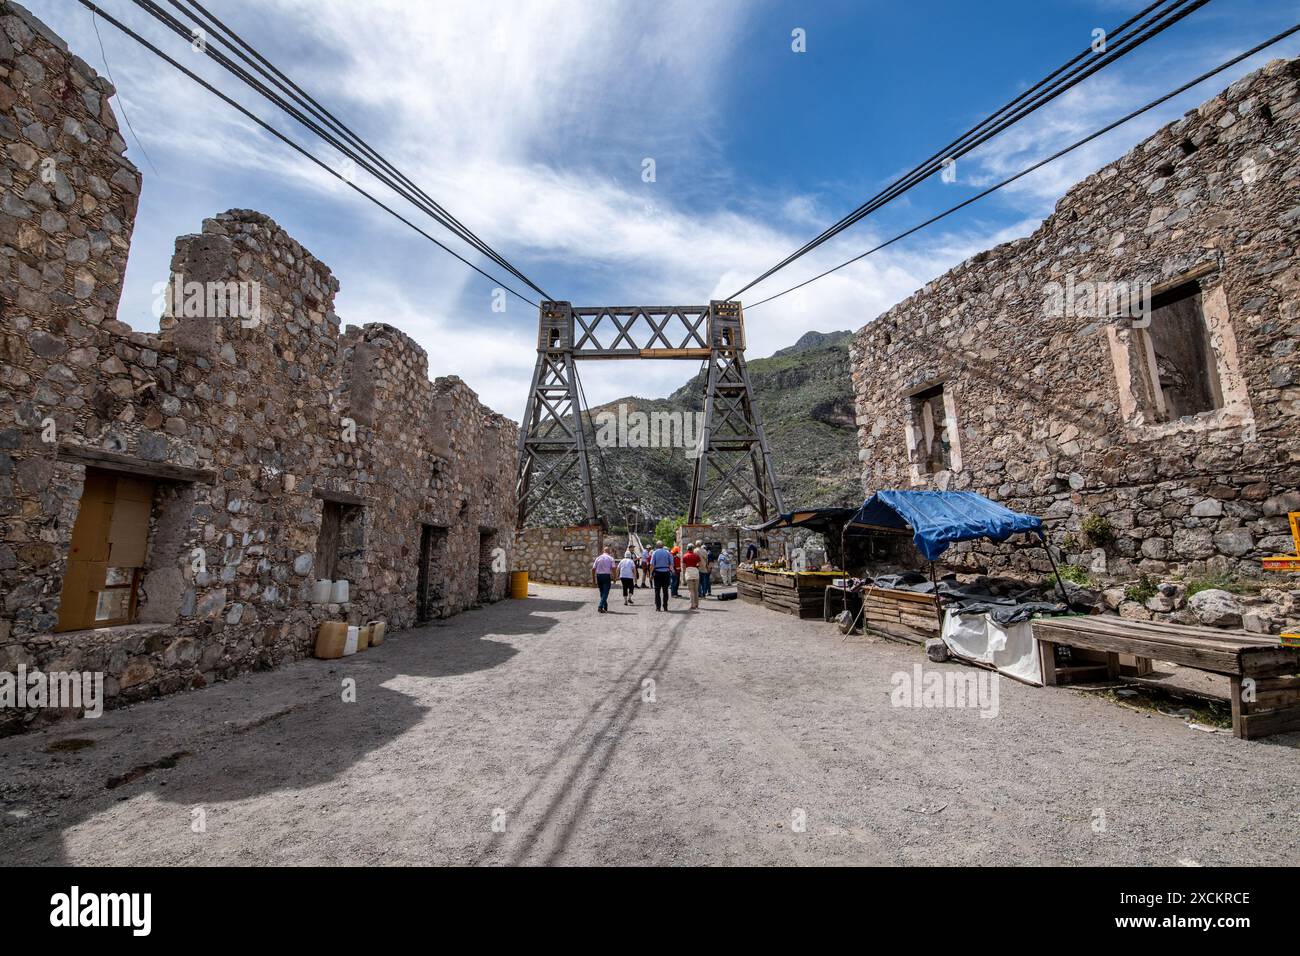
1082	598
1216	608
1257	622
1133	611
936	650
1168	597
1113	598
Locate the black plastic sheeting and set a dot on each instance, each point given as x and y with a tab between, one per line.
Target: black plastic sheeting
968	599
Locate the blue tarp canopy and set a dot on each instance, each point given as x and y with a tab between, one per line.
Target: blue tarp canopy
938	518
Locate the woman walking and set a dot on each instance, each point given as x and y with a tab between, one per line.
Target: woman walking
691	576
627	576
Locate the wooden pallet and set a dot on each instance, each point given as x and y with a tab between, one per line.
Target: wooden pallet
800	602
905	614
1264	674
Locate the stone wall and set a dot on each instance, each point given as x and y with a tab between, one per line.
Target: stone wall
559	555
1046	409
252	424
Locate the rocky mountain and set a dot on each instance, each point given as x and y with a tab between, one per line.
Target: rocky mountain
814	341
805	397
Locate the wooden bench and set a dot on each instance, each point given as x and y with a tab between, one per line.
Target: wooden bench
1265	688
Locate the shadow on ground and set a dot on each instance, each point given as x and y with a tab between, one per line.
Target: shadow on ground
210	763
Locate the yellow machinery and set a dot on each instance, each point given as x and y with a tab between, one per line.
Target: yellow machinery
1288	562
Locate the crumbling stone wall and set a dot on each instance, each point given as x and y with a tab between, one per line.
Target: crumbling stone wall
250	423
559	555
1041	411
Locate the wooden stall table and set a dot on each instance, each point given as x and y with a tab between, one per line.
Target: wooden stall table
1264	674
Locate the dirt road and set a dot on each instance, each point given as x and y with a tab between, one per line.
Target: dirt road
540	732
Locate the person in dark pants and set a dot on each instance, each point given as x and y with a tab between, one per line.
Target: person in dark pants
661	564
602	571
706	569
675	574
627	576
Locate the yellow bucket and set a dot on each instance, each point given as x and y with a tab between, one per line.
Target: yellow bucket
519	584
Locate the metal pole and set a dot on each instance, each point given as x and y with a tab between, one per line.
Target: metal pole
1059	583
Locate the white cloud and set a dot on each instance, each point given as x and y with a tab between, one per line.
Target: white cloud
530	121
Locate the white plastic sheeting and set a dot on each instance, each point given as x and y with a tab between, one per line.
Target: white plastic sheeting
1011	650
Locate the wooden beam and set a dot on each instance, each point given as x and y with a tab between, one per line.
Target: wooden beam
129	464
1047	659
339	497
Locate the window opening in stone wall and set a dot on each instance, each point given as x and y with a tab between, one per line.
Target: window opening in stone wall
1178	361
101	586
432	573
930	419
487	543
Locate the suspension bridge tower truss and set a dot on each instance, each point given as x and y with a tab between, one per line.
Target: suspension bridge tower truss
732	452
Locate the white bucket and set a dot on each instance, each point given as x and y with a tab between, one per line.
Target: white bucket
354	635
339	593
320	591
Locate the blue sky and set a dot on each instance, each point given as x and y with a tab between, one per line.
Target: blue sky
530	121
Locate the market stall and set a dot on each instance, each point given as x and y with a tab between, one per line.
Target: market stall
791	584
977	626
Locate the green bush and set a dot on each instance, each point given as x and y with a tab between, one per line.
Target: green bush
1217	581
1072	573
1097	531
1141	591
666	531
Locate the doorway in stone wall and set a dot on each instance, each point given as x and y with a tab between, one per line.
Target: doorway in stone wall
432	572
487	564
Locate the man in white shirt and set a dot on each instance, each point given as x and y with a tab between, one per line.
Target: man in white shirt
602	572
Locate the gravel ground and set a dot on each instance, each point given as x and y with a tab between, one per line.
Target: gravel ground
534	715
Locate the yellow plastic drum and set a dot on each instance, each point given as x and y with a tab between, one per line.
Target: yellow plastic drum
519	584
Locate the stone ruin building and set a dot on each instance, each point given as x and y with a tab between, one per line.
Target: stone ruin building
176	507
1162	440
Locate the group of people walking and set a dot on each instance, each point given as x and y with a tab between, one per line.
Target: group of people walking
667	571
